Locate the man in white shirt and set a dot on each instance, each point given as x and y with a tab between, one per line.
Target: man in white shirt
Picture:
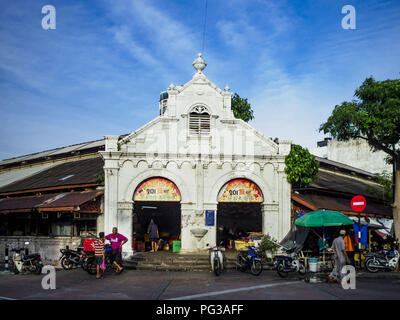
339	248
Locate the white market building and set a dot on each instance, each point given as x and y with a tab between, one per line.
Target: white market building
196	169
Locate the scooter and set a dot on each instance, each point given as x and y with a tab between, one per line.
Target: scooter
388	261
217	259
26	263
289	263
249	260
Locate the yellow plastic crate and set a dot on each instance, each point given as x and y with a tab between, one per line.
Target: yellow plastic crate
242	245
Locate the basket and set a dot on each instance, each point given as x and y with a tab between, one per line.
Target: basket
242	245
176	246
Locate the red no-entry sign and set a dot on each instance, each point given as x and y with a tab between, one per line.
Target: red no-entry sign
358	203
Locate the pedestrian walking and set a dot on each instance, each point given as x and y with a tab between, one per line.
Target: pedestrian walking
152	230
117	240
99	252
339	249
349	243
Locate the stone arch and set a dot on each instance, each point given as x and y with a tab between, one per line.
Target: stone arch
210	109
138	179
221	181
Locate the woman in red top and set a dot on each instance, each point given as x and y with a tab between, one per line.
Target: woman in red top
99	252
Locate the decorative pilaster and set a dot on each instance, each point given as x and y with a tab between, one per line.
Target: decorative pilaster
125	224
270	220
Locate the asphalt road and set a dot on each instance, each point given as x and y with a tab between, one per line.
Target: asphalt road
148	285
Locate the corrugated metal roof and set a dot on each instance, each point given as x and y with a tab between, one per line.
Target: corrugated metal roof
52	201
340	183
85	171
11	176
56	151
341	204
343	166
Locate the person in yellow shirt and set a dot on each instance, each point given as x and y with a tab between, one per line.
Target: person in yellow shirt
349	241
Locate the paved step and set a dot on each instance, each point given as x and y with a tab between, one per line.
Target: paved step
161	261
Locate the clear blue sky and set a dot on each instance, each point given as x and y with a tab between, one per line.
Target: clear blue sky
101	71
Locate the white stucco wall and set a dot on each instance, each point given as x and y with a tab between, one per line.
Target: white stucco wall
199	165
356	153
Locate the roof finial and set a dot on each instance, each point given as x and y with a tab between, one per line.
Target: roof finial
199	64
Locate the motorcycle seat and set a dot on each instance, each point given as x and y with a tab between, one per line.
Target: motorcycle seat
31	256
283	257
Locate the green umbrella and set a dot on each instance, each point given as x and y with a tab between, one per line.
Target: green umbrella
323	219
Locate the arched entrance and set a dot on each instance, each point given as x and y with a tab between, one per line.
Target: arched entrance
239	210
159	199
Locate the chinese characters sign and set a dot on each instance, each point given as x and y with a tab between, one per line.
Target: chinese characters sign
240	190
157	189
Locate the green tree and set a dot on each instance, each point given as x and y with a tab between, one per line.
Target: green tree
241	108
301	166
374	116
385	193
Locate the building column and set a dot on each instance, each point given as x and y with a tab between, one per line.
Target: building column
124	225
110	199
188	242
211	236
270	220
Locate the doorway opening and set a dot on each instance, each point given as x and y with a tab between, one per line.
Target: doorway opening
158	199
239	211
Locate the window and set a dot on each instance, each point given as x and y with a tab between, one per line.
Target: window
199	121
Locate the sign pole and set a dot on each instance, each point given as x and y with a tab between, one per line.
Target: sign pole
358	204
359	241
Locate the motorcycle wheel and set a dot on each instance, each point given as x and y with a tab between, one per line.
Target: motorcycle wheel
281	272
302	269
66	263
241	266
38	268
92	268
370	266
15	269
217	267
256	268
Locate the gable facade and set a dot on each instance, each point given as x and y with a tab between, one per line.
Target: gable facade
198	145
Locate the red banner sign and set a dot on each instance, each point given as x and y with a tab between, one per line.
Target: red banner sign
240	190
157	189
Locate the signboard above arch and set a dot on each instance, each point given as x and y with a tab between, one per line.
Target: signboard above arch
157	189
240	190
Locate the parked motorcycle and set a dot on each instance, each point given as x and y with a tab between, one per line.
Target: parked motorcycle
289	263
249	260
217	259
387	261
71	258
26	263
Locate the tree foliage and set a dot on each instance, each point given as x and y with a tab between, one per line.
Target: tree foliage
301	166
374	115
241	108
385	193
